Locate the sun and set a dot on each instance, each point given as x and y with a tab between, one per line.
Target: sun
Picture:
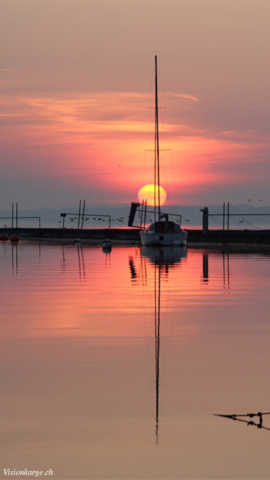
147	193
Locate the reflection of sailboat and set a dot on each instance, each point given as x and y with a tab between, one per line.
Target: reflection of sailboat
162	259
162	231
167	256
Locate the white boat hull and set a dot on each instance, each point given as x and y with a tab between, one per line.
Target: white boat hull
149	238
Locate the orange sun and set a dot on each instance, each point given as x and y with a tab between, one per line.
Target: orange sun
147	193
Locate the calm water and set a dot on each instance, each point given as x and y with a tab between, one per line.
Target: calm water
112	365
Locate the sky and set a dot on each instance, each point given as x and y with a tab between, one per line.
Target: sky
77	98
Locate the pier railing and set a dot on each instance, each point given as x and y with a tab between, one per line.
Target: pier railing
226	216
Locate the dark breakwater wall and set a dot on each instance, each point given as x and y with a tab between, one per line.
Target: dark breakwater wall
129	236
223	237
96	235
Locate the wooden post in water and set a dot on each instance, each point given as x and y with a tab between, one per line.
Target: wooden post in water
205	220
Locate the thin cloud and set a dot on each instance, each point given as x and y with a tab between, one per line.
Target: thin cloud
14	115
184	96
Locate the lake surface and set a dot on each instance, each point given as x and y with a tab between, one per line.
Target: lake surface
114	364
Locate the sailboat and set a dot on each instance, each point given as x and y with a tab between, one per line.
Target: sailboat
163	231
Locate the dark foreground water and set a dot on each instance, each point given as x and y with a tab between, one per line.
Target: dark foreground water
113	364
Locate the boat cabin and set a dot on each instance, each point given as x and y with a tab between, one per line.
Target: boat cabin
164	227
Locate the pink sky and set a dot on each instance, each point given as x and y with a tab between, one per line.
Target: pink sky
76	98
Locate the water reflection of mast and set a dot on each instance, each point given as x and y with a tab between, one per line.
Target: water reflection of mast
157	338
162	259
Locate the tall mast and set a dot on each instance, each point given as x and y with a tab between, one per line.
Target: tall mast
157	166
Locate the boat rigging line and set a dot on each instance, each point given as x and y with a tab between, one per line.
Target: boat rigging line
240	418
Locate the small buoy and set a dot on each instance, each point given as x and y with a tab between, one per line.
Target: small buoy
14	238
3	236
106	242
106	245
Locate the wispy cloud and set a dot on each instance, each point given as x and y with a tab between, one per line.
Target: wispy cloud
13	114
184	96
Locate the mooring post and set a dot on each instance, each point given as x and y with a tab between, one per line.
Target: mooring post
63	215
205	220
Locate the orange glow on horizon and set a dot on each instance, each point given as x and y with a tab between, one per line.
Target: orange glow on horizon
101	142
